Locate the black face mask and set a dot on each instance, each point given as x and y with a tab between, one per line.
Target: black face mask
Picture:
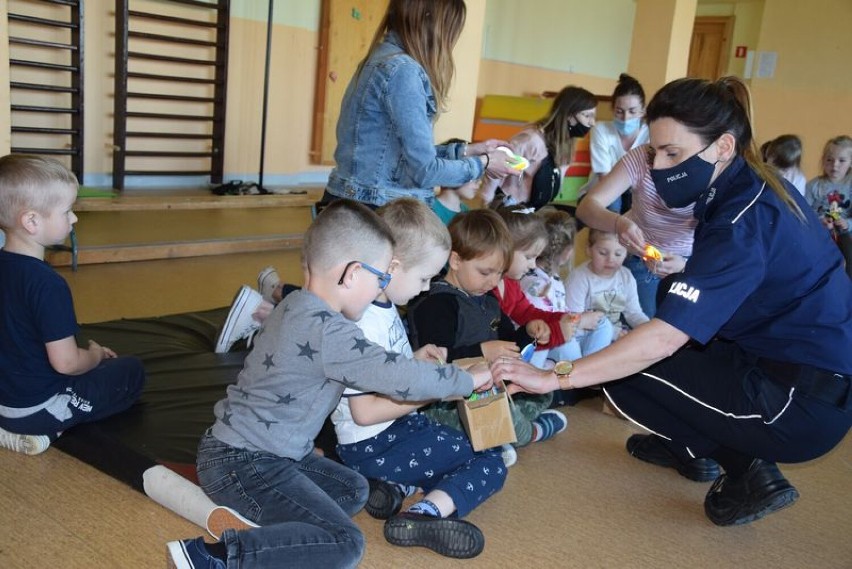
680	185
578	130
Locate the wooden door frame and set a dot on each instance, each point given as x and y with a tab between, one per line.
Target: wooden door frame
725	52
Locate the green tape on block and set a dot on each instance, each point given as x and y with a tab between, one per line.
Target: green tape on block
88	192
569	191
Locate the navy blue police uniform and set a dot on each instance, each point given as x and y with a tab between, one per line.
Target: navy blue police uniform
768	307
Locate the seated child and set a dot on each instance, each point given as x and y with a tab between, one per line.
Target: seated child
604	285
47	383
544	289
785	153
462	314
378	436
449	200
258	457
830	194
564	329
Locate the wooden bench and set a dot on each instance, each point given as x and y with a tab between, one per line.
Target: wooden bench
177	230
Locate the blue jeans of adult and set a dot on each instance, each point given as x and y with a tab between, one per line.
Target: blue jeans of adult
417	451
109	388
646	284
304	507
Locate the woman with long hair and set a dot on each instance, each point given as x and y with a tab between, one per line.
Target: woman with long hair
385	141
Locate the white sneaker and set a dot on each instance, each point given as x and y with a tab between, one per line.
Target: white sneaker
25	444
221	518
509	454
239	324
267	281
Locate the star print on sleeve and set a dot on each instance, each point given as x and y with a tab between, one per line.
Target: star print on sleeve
323	315
442	372
306	350
348	383
268	361
361	344
226	418
404	394
390	357
286	400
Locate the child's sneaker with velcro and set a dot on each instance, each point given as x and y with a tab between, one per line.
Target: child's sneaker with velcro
549	424
221	518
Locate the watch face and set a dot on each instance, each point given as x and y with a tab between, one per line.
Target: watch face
563	367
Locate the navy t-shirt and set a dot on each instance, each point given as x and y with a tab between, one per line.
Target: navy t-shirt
762	278
36	308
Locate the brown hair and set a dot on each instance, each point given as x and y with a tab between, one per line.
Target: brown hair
627	86
568	102
29	182
783	152
525	228
561	230
345	231
428	31
711	109
416	230
480	232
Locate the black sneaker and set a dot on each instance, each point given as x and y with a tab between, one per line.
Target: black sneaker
448	536
650	448
385	499
760	491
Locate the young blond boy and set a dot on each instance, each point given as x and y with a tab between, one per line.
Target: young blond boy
258	456
47	383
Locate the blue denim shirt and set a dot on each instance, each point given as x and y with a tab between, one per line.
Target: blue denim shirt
385	144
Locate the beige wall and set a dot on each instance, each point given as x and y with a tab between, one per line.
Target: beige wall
811	92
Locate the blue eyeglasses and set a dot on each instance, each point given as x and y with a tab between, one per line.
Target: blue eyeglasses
384	278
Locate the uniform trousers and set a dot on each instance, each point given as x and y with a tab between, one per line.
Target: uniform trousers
717	401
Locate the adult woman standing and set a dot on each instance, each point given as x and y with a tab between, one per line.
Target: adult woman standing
648	222
611	140
548	146
772	382
385	144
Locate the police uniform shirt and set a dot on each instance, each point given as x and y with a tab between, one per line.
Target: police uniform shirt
762	278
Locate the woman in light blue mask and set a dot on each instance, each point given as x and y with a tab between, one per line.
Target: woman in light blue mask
611	140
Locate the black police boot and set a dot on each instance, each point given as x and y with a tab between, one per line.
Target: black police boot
650	448
761	490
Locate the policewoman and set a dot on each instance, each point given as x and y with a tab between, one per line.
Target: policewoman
747	362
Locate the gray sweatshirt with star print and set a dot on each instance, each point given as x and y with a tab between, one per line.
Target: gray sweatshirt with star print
303	358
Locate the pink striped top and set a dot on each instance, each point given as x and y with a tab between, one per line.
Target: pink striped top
669	230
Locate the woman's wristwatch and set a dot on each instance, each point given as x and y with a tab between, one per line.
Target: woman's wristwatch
563	370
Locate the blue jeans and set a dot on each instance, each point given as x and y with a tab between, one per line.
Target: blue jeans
418	451
303	506
646	284
111	387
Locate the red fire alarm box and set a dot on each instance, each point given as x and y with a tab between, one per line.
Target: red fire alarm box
741	51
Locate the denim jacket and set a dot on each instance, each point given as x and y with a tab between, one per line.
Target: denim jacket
385	143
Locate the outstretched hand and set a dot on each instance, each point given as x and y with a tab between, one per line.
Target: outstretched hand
521	376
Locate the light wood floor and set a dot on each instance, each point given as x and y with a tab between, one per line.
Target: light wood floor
576	501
